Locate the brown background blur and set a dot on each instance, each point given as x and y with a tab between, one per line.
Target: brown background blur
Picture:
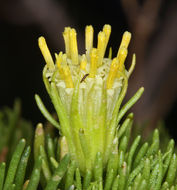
153	24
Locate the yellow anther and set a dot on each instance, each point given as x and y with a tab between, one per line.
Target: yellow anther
73	47
121	57
67	77
101	47
66	35
125	41
93	63
83	63
88	39
58	63
112	73
46	53
107	31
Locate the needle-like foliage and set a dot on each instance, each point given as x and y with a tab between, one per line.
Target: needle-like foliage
94	149
12	128
135	165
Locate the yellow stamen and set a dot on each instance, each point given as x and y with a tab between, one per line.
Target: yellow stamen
73	47
83	63
58	59
64	59
125	41
93	63
58	63
121	57
107	31
46	53
101	47
110	53
66	35
67	76
112	73
88	39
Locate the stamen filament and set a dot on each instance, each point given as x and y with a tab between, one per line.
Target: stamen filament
46	53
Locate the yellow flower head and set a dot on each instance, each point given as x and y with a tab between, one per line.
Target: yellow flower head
87	91
93	62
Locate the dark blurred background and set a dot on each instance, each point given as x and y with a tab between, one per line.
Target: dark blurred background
153	24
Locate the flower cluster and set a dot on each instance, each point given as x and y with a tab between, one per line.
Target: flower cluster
87	91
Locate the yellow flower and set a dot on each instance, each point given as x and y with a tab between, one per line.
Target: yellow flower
87	91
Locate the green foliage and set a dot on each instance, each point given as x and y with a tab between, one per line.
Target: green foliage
13	177
12	128
135	165
132	164
95	150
